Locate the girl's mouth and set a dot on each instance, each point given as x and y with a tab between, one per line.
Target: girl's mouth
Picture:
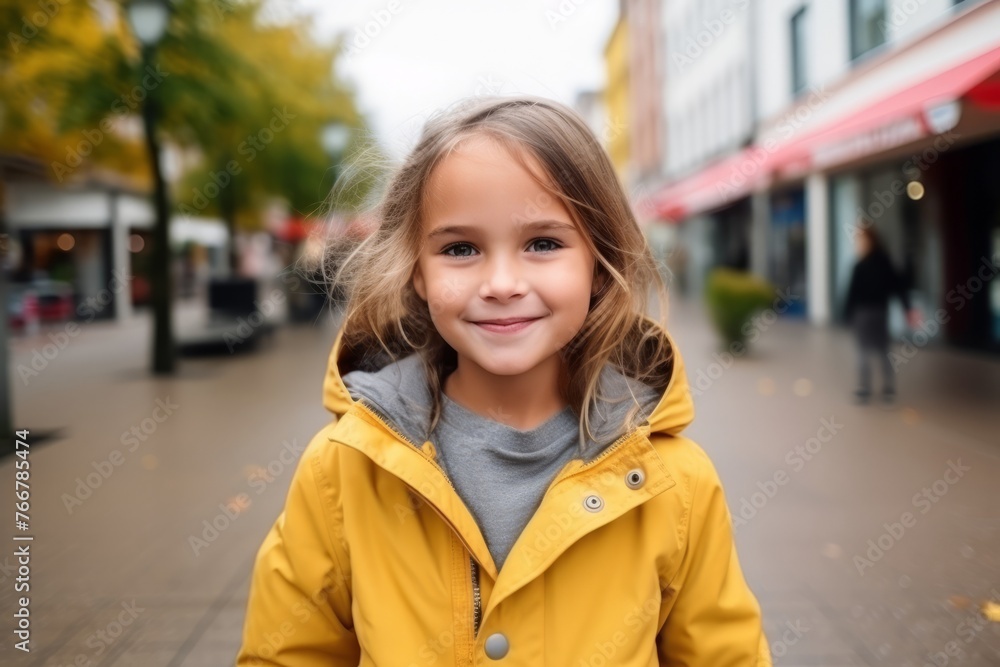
507	328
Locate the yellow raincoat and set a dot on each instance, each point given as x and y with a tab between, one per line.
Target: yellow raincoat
375	560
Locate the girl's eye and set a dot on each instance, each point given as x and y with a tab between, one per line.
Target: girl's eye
554	244
548	245
447	251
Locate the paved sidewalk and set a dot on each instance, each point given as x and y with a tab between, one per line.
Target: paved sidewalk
116	579
810	478
229	425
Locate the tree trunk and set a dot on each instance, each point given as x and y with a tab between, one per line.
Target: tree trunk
227	208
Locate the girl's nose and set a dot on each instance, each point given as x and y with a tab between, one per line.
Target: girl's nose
503	280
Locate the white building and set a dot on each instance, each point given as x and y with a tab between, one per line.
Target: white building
708	114
707	91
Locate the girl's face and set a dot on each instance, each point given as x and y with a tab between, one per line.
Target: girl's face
497	246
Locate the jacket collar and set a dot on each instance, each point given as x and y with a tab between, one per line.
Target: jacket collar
672	414
364	429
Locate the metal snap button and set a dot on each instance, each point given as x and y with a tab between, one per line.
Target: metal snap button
635	478
496	646
593	503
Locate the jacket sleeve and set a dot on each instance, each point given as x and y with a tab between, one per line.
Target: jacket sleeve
299	608
712	617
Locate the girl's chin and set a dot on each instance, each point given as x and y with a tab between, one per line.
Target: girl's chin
505	362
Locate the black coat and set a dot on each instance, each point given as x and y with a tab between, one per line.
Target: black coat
873	282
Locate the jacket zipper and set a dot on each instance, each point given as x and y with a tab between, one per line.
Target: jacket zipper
388	424
476	598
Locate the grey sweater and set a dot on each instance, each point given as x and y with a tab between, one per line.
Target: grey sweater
500	472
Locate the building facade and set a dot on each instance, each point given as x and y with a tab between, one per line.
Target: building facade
645	89
877	113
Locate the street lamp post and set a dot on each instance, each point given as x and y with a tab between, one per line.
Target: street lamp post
335	138
148	19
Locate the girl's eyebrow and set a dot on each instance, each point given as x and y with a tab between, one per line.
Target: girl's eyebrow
535	225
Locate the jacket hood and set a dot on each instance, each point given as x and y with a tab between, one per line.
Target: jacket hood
399	390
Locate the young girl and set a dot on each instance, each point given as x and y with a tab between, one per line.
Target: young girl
505	480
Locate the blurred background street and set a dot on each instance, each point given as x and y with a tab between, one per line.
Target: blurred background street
171	171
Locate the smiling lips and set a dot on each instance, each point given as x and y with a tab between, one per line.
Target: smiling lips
506	325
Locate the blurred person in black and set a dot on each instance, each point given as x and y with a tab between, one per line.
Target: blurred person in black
874	281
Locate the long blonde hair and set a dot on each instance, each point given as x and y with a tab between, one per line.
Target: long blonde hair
385	319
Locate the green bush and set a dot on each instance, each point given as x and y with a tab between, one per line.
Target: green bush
733	297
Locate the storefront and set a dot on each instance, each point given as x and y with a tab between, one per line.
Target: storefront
904	216
96	241
786	246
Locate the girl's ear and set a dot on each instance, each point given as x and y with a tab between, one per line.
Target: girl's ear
418	283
